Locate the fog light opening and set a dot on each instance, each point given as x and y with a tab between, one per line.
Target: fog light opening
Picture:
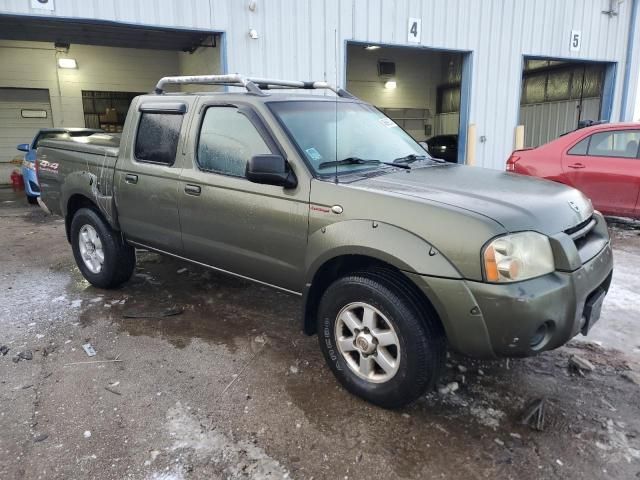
541	336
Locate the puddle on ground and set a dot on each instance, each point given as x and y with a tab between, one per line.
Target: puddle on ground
216	308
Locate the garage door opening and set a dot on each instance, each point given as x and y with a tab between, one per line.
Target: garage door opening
86	74
22	112
559	96
424	91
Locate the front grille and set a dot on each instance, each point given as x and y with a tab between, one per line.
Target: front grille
589	236
578	227
581	232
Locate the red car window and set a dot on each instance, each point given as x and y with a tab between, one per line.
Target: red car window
620	144
580	148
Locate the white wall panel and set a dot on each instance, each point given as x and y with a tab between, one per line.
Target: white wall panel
296	38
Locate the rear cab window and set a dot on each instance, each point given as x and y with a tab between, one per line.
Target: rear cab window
159	132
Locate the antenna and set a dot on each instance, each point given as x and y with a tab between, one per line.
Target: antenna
335	40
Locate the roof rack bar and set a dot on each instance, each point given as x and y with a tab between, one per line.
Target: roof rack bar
252	84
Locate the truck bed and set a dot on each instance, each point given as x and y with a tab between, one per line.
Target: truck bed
79	164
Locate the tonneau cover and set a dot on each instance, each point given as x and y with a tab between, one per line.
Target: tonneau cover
97	144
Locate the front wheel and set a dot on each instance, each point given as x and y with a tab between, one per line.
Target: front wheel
101	254
378	341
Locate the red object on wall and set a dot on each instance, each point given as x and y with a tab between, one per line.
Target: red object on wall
16	181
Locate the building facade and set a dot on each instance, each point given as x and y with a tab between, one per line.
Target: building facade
472	68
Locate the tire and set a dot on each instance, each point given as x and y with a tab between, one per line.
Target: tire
32	200
418	358
118	257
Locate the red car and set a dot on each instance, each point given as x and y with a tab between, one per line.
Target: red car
601	160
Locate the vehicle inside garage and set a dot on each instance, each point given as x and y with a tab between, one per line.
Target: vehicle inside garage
61	73
559	96
418	88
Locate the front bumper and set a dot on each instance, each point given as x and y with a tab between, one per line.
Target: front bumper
30	180
502	320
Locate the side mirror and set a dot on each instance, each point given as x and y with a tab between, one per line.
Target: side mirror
424	145
270	170
24	147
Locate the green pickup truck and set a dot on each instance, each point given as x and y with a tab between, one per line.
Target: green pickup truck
396	255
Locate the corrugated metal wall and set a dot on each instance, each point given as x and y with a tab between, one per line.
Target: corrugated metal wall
297	40
546	121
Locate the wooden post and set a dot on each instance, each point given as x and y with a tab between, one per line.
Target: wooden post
471	145
519	138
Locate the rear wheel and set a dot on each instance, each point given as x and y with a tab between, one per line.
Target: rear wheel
101	254
378	341
33	200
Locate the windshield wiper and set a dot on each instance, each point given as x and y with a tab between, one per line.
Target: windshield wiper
359	161
412	157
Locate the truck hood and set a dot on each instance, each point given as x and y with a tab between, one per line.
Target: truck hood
517	202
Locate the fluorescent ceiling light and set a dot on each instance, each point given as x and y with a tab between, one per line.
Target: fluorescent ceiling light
67	63
372	47
390	84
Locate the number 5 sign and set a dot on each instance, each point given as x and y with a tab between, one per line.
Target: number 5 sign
576	40
415	29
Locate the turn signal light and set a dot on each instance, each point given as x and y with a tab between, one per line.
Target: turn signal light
491	266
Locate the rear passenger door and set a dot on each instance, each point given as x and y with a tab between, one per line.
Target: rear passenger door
249	229
606	168
147	174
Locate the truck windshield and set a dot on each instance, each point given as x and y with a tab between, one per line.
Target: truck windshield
361	132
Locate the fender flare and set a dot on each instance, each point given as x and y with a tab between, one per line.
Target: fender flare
382	241
87	185
366	238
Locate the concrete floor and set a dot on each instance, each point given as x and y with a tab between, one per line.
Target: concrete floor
230	388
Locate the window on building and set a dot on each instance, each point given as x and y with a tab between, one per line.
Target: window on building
623	144
157	140
558	81
106	110
227	141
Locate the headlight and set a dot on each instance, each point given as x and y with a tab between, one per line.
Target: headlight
518	256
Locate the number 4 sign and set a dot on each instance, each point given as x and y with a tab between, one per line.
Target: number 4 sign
576	40
415	29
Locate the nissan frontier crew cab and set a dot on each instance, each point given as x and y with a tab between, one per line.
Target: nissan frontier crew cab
396	255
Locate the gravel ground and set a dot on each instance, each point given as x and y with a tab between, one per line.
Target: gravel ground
228	387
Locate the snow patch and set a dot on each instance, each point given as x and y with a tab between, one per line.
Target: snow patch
240	459
176	475
487	416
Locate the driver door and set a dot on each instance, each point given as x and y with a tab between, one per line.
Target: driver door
252	230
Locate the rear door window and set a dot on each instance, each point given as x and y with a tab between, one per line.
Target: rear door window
580	148
620	143
228	139
158	135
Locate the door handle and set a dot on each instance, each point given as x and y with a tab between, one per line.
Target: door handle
131	178
192	189
576	165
